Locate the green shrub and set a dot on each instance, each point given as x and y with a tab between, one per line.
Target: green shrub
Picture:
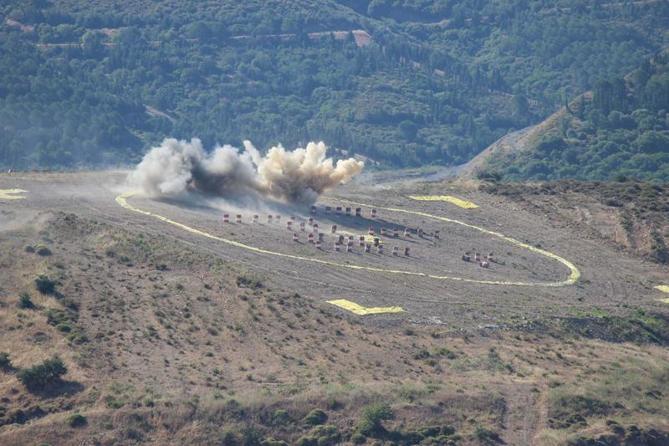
65	322
251	436
57	317
77	420
248	281
280	417
358	438
230	438
25	302
45	285
43	251
486	436
114	402
566	410
421	354
64	327
659	250
315	417
5	362
372	416
432	431
43	375
326	435
306	440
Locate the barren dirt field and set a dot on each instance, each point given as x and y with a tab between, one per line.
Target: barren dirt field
178	328
433	284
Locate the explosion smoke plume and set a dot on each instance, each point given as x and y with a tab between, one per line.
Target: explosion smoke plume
300	175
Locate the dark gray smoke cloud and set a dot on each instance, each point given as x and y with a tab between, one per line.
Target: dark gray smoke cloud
299	175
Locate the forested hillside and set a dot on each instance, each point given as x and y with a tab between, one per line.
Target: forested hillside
619	131
403	82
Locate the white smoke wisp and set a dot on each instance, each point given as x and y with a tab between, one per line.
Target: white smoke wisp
297	176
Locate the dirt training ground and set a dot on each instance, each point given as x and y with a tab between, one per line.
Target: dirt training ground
537	268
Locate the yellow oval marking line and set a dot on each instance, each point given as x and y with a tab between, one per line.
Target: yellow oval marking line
361	310
12	194
574	273
122	200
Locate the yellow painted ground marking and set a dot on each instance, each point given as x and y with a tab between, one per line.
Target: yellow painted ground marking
12	194
447	198
664	301
574	273
122	200
362	311
663	288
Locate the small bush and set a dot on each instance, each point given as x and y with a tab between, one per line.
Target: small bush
372	416
613	202
25	302
43	375
306	440
77	420
45	285
251	436
315	417
659	251
58	317
431	431
326	435
114	401
358	438
5	362
247	281
43	251
421	354
486	436
77	337
567	410
64	327
280	418
229	438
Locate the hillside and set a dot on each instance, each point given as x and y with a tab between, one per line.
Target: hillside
619	130
403	82
165	337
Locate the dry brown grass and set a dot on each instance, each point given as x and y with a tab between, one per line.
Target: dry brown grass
181	346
